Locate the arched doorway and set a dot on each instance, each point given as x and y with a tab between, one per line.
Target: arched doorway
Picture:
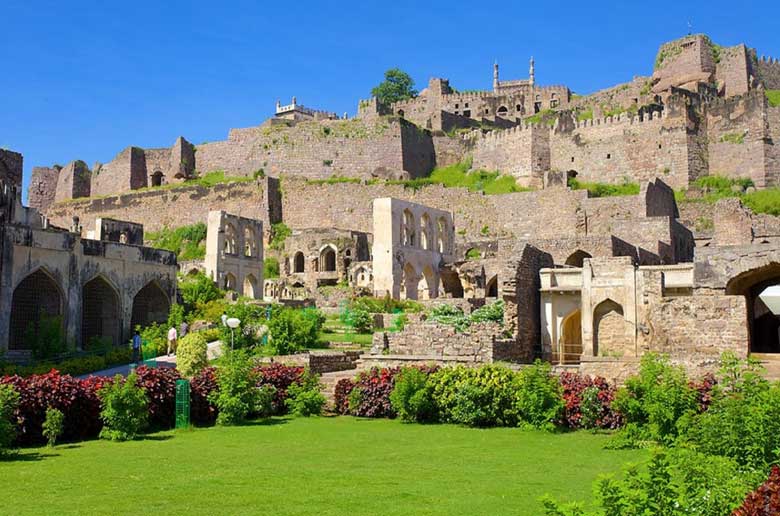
298	262
100	319
250	286
328	259
609	330
570	344
761	288
426	286
491	289
230	282
577	258
150	305
36	311
409	282
157	178
451	284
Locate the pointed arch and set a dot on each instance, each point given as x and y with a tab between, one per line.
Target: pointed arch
491	288
609	329
426	232
37	302
230	245
408	229
150	305
328	258
299	262
251	249
409	282
570	344
250	286
577	258
100	313
427	286
230	282
442	236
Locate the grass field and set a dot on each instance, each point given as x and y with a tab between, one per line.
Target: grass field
322	466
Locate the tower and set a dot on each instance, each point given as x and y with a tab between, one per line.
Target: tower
531	72
495	76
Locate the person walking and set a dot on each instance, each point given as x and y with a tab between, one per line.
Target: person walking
172	336
136	347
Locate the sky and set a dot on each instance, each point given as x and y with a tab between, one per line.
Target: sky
84	80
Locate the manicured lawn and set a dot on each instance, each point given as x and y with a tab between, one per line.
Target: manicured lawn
322	466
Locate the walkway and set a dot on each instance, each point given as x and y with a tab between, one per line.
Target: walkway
214	350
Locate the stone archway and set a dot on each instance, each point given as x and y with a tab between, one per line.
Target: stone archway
570	344
150	305
409	282
609	330
577	258
250	286
328	259
426	286
157	178
35	305
100	314
298	262
491	289
762	314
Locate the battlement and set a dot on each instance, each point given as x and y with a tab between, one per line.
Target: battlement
623	118
768	60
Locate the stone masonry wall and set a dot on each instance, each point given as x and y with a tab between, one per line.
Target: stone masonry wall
43	187
438	340
734	70
11	167
768	70
73	181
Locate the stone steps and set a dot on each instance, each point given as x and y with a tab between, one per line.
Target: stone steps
329	381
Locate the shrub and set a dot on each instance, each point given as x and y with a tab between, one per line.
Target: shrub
539	400
674	482
188	242
202	411
593	410
270	267
412	397
252	317
294	329
765	500
485	396
53	425
281	377
9	402
159	384
454	316
357	319
237	395
124	409
76	365
198	290
656	399
370	396
384	305
341	395
48	339
191	355
605	189
279	233
305	398
77	399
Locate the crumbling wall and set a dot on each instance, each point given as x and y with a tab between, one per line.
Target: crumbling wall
522	151
127	171
73	182
768	71
734	70
43	187
11	167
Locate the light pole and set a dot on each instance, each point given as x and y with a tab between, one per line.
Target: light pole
232	323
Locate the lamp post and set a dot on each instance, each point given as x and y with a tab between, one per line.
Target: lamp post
232	323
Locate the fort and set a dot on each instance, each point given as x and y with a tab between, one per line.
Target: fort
586	281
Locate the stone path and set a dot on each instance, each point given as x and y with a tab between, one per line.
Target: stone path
214	350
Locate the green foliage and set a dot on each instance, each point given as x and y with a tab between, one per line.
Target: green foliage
397	86
294	329
656	399
678	482
237	394
586	114
358	319
743	420
773	96
717	187
279	233
736	138
252	317
384	305
188	242
334	180
270	267
412	396
53	425
305	398
458	175
197	290
47	340
9	401
605	189
539	396
473	254
125	409
454	316
544	117
191	354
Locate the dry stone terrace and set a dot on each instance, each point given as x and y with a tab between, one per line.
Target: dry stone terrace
587	282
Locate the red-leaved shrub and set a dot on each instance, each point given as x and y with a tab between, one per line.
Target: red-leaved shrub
202	411
765	500
341	395
375	387
281	377
77	399
160	385
574	385
703	389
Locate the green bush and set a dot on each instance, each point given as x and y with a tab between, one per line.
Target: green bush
482	397
358	319
53	425
774	97
124	409
454	316
605	189
252	317
304	398
270	267
384	305
191	354
293	329
656	399
675	482
539	396
237	394
412	396
197	290
188	242
279	233
9	401
743	420
47	340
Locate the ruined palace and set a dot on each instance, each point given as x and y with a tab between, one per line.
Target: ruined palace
350	205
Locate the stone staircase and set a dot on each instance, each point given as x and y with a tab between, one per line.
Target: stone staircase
329	381
771	362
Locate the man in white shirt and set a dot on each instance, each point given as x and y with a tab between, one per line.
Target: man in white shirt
172	335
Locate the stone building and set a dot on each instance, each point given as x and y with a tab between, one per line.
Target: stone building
234	253
84	292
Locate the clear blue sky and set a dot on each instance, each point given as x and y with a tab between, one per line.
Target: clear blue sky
83	80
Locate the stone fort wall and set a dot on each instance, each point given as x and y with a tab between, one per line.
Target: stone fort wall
768	70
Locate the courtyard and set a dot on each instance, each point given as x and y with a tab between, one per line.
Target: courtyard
327	465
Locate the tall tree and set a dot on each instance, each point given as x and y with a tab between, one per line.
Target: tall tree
398	85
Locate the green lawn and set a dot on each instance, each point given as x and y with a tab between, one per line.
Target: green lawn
322	466
360	339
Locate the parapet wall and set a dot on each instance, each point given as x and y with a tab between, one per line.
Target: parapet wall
768	70
11	167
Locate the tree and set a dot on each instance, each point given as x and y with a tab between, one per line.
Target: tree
398	85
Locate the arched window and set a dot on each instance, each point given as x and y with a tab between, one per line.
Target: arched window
298	262
442	236
99	314
36	308
408	229
250	286
231	240
250	242
502	111
230	282
426	233
328	259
